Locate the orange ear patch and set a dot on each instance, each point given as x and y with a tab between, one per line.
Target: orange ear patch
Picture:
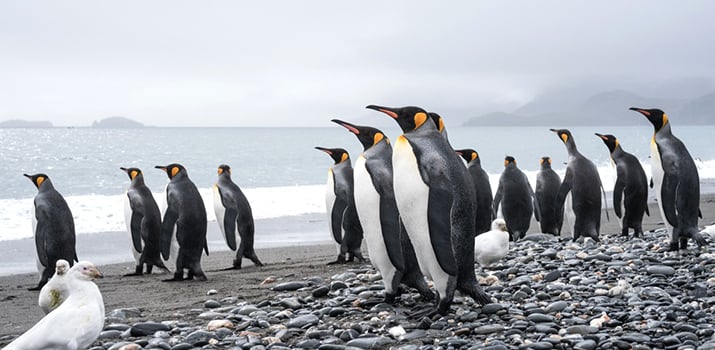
344	157
377	138
174	171
420	119
133	174
40	180
564	137
220	171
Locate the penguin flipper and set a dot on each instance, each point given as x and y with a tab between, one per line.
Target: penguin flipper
667	194
564	190
535	201
167	231
337	219
391	232
136	228
41	243
229	227
618	197
440	228
700	213
497	200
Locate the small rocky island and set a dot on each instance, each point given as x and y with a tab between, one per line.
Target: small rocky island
117	123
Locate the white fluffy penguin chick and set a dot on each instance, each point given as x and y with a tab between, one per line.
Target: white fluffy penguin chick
493	245
76	323
55	291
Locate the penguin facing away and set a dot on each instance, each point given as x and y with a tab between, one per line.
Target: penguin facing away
186	216
143	220
676	181
53	227
234	217
516	198
584	183
630	193
343	219
389	247
547	187
482	188
435	198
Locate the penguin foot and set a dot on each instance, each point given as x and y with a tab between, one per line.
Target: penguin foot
428	312
132	274
173	279
34	288
234	267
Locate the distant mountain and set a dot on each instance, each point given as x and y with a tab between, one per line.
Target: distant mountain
603	108
17	123
117	123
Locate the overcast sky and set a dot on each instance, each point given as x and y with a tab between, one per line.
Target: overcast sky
293	63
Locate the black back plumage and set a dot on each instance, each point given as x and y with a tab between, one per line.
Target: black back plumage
516	198
547	188
482	190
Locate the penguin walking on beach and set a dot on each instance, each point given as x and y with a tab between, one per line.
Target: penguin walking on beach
435	198
143	220
389	247
340	204
53	228
547	187
234	217
482	188
584	184
676	181
517	200
184	219
630	193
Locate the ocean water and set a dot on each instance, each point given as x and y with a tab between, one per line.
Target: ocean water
278	169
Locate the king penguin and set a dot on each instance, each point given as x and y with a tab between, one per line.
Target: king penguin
630	193
482	188
584	184
676	181
143	220
340	204
185	217
547	187
53	228
234	217
435	198
388	245
517	200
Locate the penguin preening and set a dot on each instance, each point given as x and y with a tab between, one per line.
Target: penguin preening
343	219
630	192
516	198
547	188
143	220
234	217
435	198
53	228
185	217
389	247
482	188
584	183
676	181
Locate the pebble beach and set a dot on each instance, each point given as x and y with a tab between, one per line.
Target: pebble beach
547	294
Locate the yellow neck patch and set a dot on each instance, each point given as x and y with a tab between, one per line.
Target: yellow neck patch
665	120
618	144
174	171
133	174
377	138
474	155
564	137
441	125
344	157
420	119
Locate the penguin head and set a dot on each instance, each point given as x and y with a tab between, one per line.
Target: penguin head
172	170
368	136
509	160
545	162
408	118
38	179
132	172
565	136
339	155
469	155
438	121
656	116
610	141
224	170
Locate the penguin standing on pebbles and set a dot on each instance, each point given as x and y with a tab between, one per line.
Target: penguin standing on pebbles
630	192
519	203
340	204
676	181
547	187
482	189
435	198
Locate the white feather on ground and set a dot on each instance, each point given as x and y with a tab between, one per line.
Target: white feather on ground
55	291
493	245
76	323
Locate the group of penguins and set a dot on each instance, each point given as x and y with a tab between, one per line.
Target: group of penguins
179	236
423	213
